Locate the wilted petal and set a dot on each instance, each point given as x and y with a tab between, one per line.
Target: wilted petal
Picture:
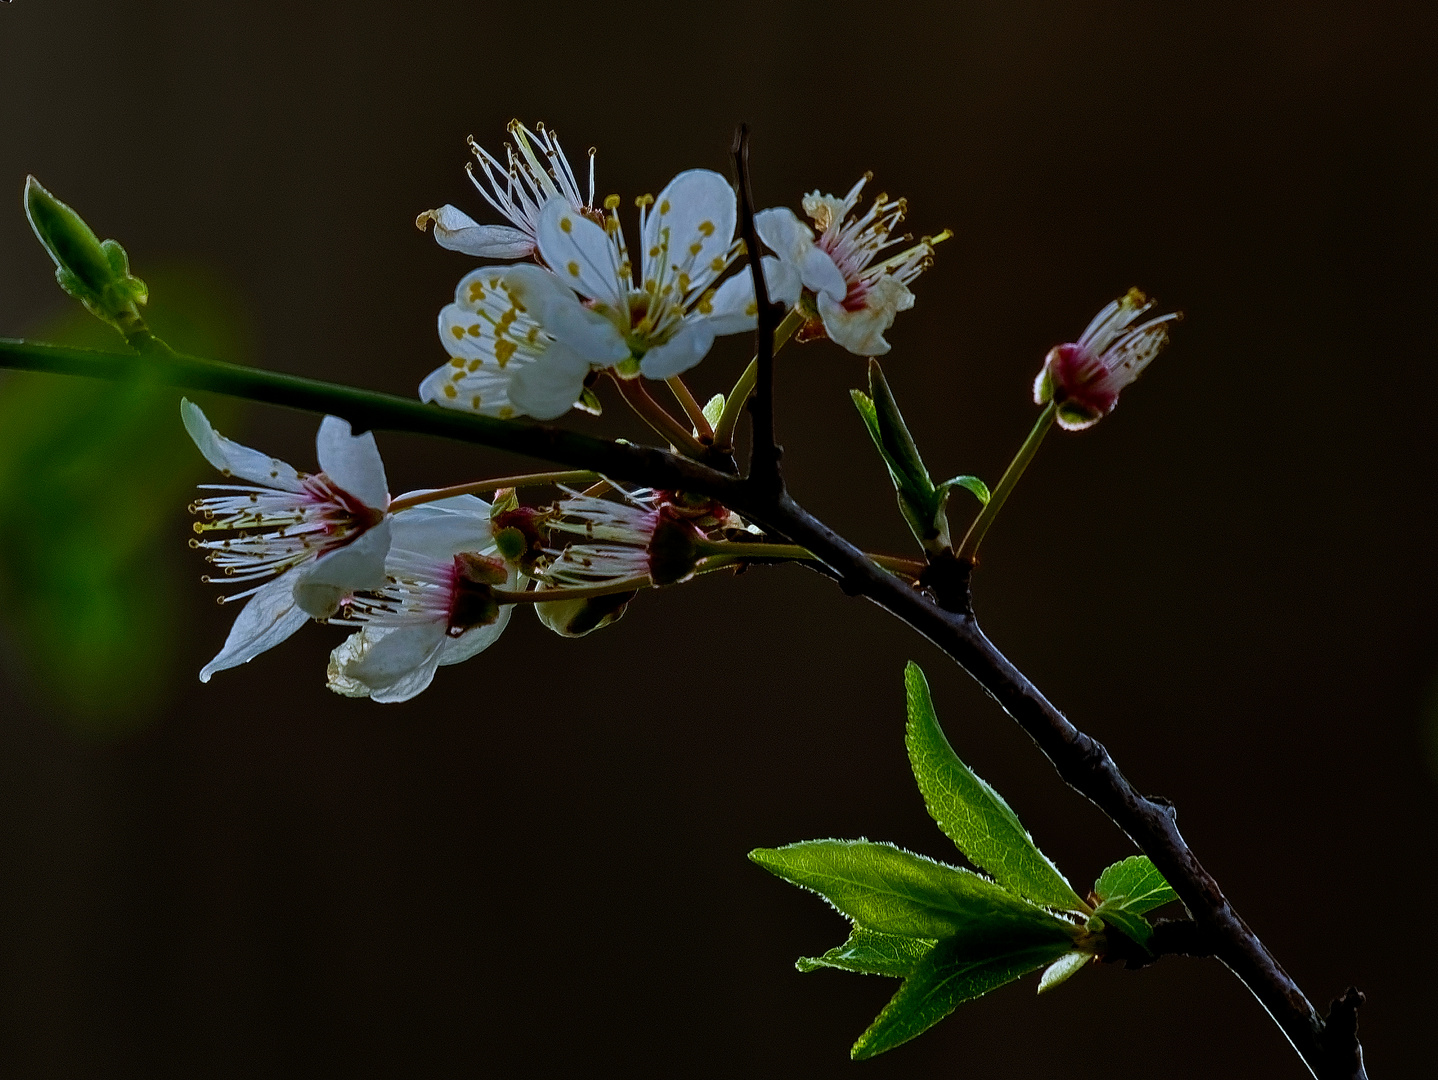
358	566
352	462
231	458
457	231
268	618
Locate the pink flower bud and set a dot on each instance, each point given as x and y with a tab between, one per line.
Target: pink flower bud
1084	378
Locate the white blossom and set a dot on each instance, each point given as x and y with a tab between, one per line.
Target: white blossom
309	539
856	299
434	608
657	314
494	345
518	190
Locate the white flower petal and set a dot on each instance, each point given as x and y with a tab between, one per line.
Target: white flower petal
793	241
551	385
352	462
442	528
475	640
733	310
580	253
231	458
681	352
397	665
358	566
457	231
268	618
862	331
693	217
554	306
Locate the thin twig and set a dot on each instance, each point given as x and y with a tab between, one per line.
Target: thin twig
764	471
1332	1054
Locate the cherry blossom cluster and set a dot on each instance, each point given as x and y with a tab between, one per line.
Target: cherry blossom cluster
430	578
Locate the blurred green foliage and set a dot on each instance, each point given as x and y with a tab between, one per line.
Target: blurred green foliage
94	478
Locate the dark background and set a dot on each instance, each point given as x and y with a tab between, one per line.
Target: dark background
539	864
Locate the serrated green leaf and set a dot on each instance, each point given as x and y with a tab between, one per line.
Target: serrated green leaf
972	814
972	484
869	952
1133	885
955	971
884	888
1129	923
1063	969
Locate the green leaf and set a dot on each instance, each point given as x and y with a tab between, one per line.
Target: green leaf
972	814
1063	969
1133	885
1129	923
921	504
972	484
897	445
955	971
714	409
884	888
868	952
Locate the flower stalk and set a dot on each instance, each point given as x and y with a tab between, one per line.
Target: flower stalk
969	548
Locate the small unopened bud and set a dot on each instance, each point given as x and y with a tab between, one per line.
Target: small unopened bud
96	274
575	618
1084	378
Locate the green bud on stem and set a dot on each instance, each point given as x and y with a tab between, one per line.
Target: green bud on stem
96	274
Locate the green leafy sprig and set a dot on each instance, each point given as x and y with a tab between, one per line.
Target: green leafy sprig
950	933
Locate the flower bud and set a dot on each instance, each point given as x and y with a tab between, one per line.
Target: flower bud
94	273
1084	378
575	618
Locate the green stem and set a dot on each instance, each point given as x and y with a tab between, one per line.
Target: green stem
734	404
975	536
369	409
479	487
657	417
691	406
733	552
587	592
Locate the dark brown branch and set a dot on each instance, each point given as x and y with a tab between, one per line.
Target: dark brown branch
765	473
1332	1052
